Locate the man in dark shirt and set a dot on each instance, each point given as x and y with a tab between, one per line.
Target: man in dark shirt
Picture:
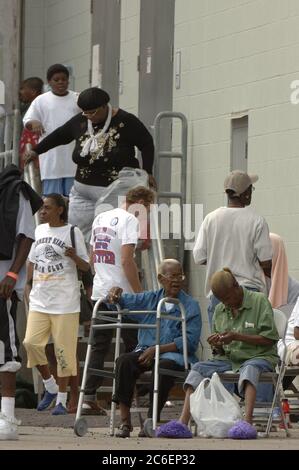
18	203
105	144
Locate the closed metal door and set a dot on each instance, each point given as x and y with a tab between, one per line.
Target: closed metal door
106	45
156	69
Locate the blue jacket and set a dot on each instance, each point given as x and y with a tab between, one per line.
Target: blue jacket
171	330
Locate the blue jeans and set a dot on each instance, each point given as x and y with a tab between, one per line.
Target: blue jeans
250	371
58	185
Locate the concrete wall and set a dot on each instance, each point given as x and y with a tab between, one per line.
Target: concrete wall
240	56
10	24
129	51
58	31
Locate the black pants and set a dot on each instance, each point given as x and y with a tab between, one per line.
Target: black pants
100	348
127	372
8	331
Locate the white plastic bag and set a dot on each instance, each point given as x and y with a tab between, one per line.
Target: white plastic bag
213	408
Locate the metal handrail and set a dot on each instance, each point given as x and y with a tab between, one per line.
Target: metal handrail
181	155
32	177
10	130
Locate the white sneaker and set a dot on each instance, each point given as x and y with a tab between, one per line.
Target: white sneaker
8	428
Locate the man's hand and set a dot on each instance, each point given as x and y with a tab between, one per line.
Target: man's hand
114	295
227	337
30	156
7	286
36	127
214	340
147	357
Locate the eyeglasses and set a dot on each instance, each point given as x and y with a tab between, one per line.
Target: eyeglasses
90	113
174	277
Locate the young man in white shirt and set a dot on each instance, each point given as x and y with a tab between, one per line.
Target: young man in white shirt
235	237
113	241
47	112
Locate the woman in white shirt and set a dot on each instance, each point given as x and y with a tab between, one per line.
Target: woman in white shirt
54	301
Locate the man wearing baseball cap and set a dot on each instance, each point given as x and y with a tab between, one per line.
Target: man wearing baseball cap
238	181
237	237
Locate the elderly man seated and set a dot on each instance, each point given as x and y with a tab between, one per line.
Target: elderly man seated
243	340
130	365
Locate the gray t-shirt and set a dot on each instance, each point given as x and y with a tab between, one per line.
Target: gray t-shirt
236	238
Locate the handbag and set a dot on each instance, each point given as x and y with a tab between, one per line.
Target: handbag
213	408
86	306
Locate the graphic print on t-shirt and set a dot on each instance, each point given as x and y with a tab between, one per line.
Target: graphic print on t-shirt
49	256
102	251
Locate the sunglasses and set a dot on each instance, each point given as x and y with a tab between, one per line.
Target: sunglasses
90	113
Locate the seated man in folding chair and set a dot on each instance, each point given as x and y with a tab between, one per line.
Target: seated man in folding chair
129	366
243	340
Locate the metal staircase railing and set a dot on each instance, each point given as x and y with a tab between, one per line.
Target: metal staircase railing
179	155
10	130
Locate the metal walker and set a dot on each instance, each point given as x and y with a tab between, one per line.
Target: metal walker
150	424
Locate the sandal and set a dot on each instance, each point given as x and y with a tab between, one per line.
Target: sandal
92	408
124	430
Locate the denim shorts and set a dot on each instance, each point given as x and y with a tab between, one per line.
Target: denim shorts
57	185
250	371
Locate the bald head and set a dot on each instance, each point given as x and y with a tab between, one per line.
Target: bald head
222	282
169	263
171	277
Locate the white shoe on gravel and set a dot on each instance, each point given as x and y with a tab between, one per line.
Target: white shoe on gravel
8	428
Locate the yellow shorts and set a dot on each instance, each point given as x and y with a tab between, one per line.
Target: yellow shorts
64	330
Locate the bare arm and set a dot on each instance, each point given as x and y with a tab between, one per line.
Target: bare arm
91	258
130	268
80	263
28	285
296	332
7	284
29	277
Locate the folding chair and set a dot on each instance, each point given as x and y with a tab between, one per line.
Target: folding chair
281	325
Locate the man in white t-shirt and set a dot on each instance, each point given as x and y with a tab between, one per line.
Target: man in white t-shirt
18	203
113	241
235	237
47	112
